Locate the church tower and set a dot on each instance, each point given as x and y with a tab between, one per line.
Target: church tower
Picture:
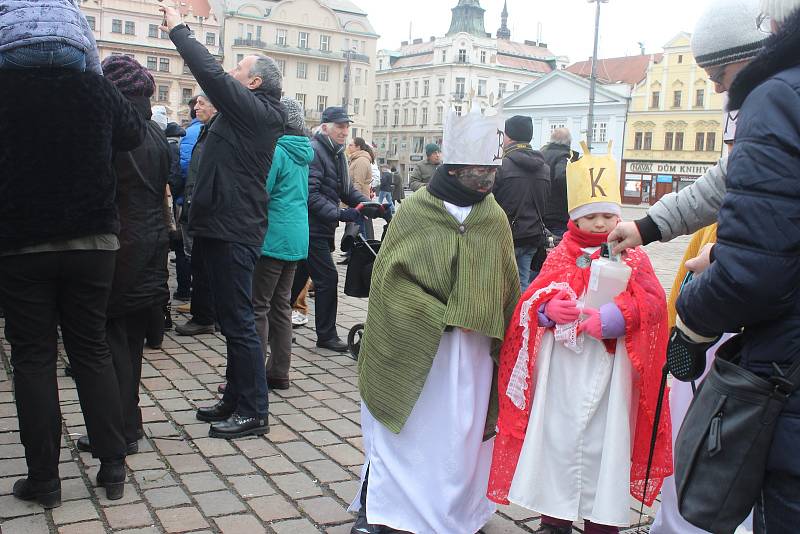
468	16
504	32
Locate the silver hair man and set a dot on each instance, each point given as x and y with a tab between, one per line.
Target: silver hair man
561	136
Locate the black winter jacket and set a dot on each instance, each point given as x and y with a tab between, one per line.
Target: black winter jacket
140	276
230	198
754	280
521	188
57	182
194	165
556	213
328	185
177	182
387	182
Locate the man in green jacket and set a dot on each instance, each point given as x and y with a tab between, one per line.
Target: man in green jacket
422	173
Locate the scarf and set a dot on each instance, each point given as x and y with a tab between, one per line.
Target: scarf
433	273
513	148
585	239
643	305
445	186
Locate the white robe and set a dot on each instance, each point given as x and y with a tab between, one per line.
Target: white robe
432	477
575	460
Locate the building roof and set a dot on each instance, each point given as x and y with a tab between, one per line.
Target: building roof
344	5
523	49
629	69
413	61
532	65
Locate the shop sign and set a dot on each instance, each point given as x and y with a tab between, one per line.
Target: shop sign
416	158
655	167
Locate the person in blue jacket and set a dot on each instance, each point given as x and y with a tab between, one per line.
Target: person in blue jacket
285	244
753	282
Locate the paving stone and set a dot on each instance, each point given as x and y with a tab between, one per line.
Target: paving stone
297	485
181	519
346	490
187	463
273	507
74	511
273	465
344	454
239	524
160	430
233	465
249	486
144	462
299	422
73	489
343	428
128	515
295	526
322	414
15	450
32	524
89	527
10	506
255	448
213	447
219	503
154	479
299	451
325	510
320	438
499	525
165	497
281	434
202	482
327	471
13	466
169	447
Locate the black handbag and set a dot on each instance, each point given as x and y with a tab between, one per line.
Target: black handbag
722	448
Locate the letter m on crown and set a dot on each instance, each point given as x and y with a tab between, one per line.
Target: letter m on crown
596	182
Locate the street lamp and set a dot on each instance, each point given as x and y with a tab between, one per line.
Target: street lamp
593	78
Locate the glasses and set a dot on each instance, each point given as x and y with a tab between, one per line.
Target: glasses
718	75
764	23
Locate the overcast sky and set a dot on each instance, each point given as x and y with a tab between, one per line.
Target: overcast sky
567	25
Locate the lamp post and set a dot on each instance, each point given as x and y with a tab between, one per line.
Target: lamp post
593	78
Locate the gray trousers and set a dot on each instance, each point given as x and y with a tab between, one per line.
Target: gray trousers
272	288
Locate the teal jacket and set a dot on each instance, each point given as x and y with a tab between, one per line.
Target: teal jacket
287	186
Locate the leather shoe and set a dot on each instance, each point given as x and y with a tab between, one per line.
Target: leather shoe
112	477
239	426
192	328
278	383
221	388
335	344
219	412
544	528
47	493
84	445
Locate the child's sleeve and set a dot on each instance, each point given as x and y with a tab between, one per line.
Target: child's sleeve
92	55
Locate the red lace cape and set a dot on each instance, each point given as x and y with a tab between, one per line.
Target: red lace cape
643	305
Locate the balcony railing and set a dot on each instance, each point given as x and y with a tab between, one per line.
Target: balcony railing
252	43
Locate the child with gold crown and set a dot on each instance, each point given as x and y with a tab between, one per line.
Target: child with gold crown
580	373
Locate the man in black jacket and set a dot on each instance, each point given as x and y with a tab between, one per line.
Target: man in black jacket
557	154
328	186
521	187
228	215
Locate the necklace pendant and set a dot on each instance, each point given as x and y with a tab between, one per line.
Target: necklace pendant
583	261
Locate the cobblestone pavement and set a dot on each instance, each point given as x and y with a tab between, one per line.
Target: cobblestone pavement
298	479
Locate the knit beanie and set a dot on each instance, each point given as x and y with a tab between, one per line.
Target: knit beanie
431	149
727	33
294	113
129	76
779	10
520	129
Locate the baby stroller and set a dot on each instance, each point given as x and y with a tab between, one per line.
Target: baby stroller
363	253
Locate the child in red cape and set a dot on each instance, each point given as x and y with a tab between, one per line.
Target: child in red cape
577	412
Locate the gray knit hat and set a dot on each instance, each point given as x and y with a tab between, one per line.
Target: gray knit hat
727	32
294	113
779	10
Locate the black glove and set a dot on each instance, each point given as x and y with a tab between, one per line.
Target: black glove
372	210
349	215
686	359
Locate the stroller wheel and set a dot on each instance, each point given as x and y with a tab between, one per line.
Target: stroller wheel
354	340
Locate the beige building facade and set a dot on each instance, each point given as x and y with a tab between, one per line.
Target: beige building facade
314	43
131	27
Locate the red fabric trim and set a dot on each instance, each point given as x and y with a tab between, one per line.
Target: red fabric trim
643	305
585	239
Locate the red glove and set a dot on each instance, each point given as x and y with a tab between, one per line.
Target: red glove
562	309
593	325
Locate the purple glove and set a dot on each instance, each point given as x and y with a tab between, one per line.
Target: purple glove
544	320
349	215
607	323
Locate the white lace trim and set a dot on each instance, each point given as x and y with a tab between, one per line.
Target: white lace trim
518	382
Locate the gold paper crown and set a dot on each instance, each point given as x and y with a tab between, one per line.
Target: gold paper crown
592	180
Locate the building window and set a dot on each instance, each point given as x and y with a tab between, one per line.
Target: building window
700	99
116	26
481	87
130	28
424	117
396	121
501	90
405	117
163	64
556	125
385	117
680	59
655	100
426	87
416	89
397	90
700	142
711	142
239	58
441	86
413	116
187	70
386	91
323	73
152	62
325	43
439	114
91	21
669	138
648	141
211	39
408	89
302	40
516	87
281	38
322	103
637	140
458	110
378	92
356	106
302	70
164	35
163	93
301	97
462	55
676	99
678	140
186	95
600	132
418	145
152	30
354	132
357	78
483	56
444	56
460	87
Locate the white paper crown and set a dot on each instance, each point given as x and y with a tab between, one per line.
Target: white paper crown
474	138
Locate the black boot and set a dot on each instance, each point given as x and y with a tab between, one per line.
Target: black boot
218	412
46	493
84	445
112	477
239	426
544	528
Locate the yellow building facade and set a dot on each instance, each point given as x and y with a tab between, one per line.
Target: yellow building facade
674	126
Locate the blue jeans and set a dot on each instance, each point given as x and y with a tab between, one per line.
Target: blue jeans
778	509
386	195
524	257
46	55
230	269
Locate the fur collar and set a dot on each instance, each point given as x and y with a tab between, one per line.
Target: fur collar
781	52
